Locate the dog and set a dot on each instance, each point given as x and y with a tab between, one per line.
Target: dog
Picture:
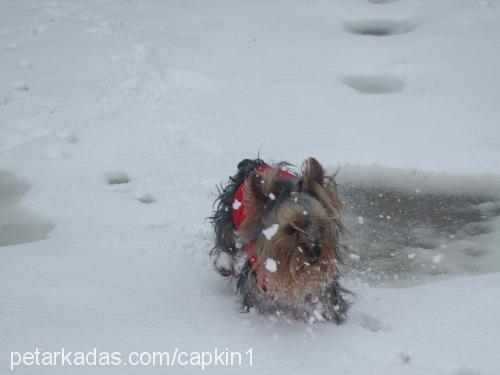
277	235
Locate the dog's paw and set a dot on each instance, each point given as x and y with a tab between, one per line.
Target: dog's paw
223	263
370	323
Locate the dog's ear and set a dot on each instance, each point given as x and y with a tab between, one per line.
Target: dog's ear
312	174
314	181
256	186
265	186
260	188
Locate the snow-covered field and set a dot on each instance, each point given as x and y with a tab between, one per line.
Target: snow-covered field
118	118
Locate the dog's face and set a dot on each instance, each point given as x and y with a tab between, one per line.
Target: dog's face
296	224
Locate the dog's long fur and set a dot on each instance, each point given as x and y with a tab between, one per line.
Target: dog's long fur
307	214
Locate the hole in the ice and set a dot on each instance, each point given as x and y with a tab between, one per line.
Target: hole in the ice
379	27
433	232
18	225
117	177
374	84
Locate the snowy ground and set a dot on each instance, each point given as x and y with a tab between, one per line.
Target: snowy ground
117	119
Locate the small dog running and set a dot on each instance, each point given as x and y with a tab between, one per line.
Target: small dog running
277	235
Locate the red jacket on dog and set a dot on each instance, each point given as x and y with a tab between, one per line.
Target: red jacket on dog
239	214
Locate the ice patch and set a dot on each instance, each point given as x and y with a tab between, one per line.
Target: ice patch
450	227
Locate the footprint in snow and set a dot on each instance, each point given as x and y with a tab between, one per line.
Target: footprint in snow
39	30
374	84
20	86
466	371
145	198
117	177
381	1
11	46
68	136
370	323
24	64
379	27
54	154
17	90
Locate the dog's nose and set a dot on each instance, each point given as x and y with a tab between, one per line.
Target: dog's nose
315	253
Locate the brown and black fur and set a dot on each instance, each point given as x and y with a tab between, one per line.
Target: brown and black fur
307	214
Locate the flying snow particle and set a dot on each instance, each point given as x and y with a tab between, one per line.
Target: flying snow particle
355	257
405	357
411	256
437	258
271	265
271	231
318	316
236	204
272	196
361	220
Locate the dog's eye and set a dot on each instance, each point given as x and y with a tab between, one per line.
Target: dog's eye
290	230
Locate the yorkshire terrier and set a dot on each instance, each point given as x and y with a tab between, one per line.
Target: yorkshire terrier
277	234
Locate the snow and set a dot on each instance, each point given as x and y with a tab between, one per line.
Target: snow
271	265
236	204
118	119
224	261
271	231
